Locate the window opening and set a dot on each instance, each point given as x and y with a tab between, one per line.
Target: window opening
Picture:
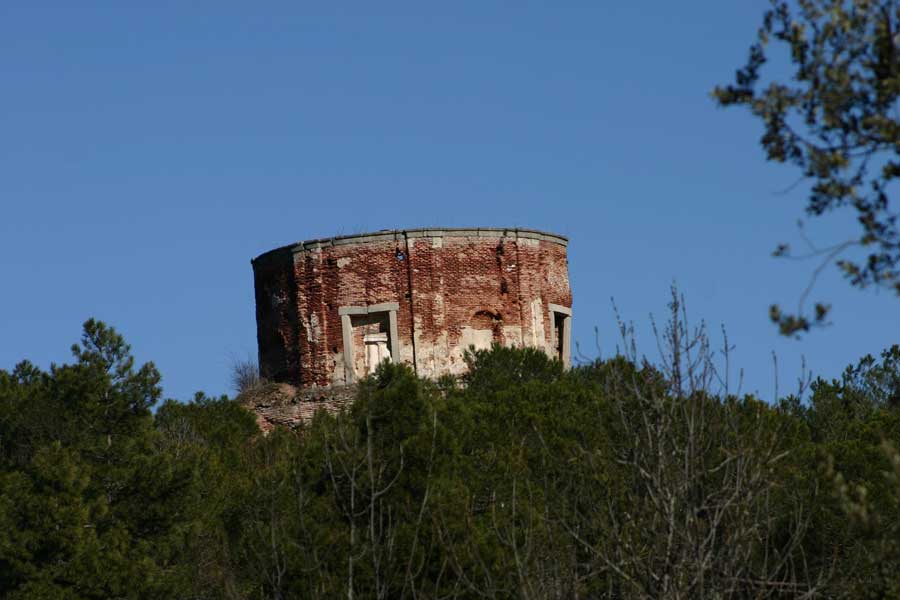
369	338
561	334
559	325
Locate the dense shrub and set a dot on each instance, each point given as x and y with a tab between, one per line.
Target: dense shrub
614	479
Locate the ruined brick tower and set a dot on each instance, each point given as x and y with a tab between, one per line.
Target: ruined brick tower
329	310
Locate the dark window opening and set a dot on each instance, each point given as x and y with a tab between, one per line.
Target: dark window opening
559	327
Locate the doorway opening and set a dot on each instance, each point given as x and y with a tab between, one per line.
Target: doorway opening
370	337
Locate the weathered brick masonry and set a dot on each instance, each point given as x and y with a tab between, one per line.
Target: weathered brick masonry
328	310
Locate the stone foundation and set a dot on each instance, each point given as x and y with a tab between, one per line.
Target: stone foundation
281	404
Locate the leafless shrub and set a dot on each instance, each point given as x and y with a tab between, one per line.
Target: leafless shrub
245	375
700	513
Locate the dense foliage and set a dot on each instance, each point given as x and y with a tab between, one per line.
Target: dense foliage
616	479
834	114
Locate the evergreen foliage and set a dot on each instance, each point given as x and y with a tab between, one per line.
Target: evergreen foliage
616	479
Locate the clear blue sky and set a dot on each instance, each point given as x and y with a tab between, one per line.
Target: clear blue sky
149	150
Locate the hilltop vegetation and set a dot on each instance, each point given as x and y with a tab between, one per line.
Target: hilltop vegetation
617	479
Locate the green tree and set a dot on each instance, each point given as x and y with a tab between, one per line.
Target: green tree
875	526
90	505
853	425
836	119
521	480
205	442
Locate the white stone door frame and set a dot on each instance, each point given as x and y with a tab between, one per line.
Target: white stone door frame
347	332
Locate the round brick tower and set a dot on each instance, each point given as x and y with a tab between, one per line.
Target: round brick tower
329	310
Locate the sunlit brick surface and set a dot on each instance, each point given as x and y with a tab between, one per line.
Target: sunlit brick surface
451	289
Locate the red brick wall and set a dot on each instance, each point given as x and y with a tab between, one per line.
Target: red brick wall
452	287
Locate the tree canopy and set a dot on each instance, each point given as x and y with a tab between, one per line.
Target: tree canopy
835	116
520	480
